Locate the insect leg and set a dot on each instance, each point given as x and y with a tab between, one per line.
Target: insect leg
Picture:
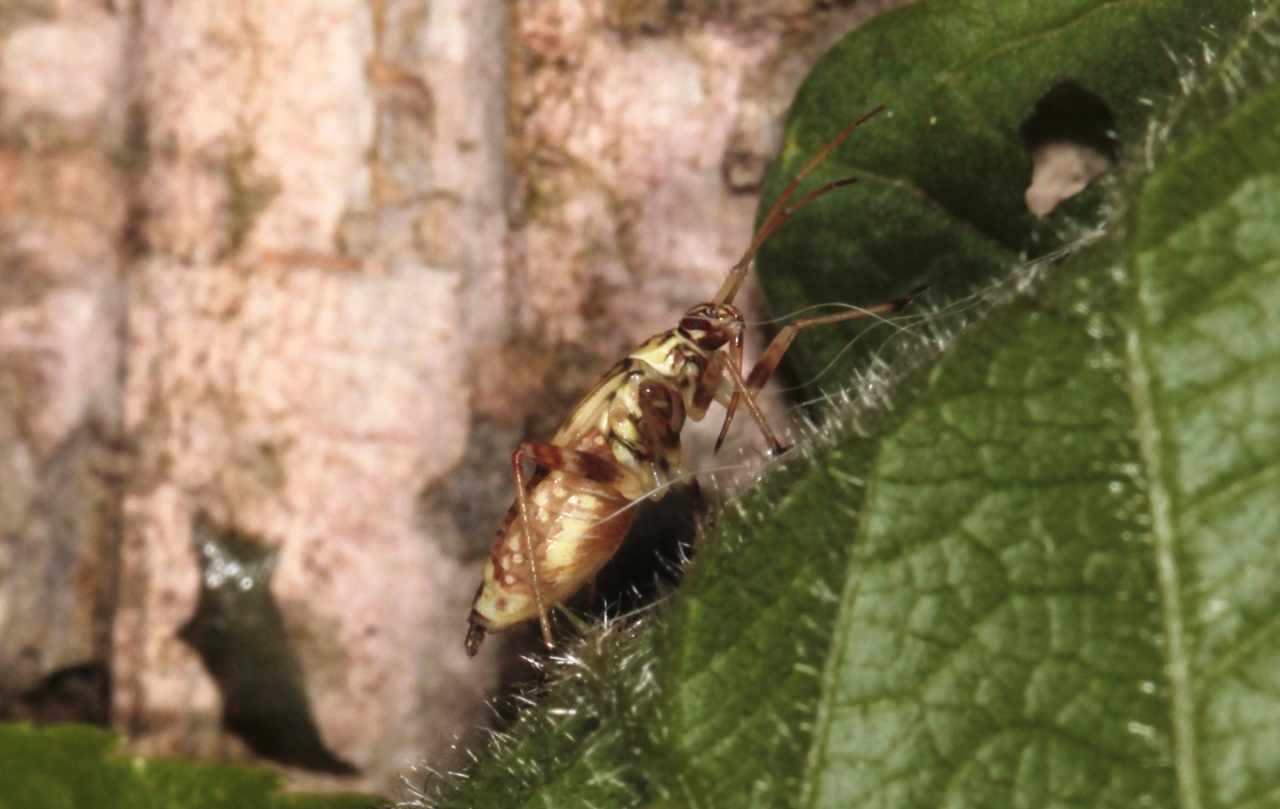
772	355
662	428
707	387
743	393
522	500
559	459
735	357
661	419
712	385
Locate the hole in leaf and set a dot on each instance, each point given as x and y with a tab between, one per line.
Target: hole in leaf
1070	137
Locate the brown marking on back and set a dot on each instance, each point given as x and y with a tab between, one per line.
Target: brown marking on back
583	464
601	470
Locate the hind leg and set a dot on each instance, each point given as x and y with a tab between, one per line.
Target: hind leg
554	458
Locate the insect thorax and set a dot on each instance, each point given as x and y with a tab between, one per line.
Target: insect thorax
643	420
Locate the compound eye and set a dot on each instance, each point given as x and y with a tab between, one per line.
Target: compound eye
695	323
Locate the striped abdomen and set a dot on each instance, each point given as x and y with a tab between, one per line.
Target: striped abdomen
573	535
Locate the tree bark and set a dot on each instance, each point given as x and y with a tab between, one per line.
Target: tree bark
63	217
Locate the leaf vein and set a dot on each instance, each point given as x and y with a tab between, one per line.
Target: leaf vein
1186	758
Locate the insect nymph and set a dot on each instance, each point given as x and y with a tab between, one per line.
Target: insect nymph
622	442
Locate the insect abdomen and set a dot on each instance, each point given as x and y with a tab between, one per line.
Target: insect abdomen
575	526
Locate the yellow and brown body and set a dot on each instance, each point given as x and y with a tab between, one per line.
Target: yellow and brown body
621	444
577	525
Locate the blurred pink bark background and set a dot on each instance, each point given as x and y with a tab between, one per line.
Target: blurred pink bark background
309	270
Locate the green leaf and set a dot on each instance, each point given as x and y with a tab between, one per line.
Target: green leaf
1036	569
1065	589
578	747
73	767
942	173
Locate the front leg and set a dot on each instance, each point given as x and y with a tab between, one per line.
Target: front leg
722	381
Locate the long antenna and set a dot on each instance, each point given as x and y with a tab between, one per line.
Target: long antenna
779	213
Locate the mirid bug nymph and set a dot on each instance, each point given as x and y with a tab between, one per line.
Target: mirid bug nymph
622	442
